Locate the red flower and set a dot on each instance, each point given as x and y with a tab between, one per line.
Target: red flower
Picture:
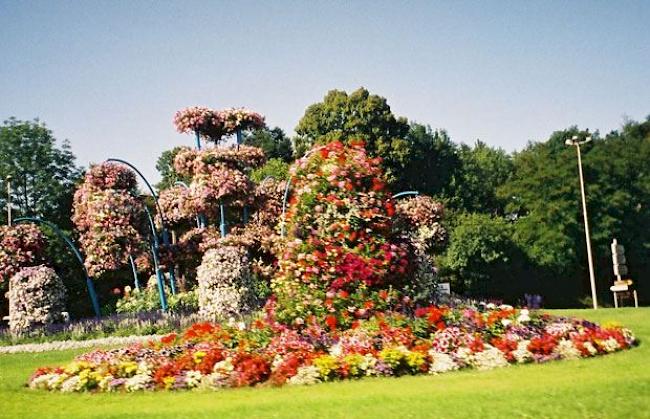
331	321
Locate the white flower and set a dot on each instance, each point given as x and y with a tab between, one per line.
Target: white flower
305	376
193	378
70	385
489	358
441	363
590	348
336	350
137	382
566	349
611	345
522	354
506	322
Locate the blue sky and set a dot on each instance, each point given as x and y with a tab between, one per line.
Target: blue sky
109	75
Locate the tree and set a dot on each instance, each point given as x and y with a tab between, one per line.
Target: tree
359	115
428	163
165	166
482	259
482	171
274	142
543	198
43	173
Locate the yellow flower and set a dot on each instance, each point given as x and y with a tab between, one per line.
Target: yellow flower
198	356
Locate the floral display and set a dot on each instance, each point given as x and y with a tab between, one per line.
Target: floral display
176	205
190	162
207	122
418	220
219	177
263	352
340	261
241	118
36	298
225	287
21	246
108	217
212	124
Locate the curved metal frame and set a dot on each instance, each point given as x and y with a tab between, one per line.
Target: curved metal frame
405	193
57	230
153	193
163	220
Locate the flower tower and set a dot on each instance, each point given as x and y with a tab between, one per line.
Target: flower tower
341	261
108	217
219	192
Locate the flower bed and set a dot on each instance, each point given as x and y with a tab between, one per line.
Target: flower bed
263	352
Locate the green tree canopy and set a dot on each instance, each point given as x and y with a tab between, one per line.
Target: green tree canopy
43	173
359	115
274	142
165	166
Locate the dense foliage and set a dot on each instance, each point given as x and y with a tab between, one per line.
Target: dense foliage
43	173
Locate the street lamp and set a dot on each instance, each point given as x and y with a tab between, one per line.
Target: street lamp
575	141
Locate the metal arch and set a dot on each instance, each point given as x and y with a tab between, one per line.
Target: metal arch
153	193
57	230
186	186
154	253
406	193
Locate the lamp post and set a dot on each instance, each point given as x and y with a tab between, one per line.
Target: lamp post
575	141
9	200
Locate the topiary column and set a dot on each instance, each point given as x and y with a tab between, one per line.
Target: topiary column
36	298
224	279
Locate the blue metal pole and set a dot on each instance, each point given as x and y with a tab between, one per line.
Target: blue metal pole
161	284
198	140
154	252
222	226
239	137
136	282
89	282
245	215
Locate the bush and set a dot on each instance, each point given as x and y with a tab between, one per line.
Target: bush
148	299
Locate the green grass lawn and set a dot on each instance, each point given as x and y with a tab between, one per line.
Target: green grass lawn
616	386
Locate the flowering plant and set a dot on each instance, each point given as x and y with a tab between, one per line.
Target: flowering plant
241	118
418	221
213	125
262	351
21	245
205	121
340	261
225	287
36	298
108	218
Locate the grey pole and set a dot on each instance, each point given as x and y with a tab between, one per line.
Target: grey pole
592	276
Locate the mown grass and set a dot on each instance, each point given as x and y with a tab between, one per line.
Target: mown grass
613	386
